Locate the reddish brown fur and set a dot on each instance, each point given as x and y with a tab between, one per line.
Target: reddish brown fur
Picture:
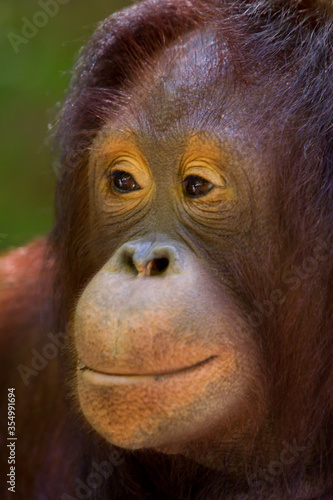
295	50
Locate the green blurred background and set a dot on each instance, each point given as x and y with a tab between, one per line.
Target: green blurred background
33	79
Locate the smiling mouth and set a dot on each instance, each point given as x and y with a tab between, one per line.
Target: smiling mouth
100	377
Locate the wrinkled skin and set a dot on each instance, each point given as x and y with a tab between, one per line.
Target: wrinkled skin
166	356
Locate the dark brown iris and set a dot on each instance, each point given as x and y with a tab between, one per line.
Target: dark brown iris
123	182
196	186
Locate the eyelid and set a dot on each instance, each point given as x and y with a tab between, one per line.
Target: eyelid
119	170
206	171
112	173
129	161
121	165
199	176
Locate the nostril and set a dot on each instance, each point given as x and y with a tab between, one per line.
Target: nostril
127	263
158	266
138	261
152	267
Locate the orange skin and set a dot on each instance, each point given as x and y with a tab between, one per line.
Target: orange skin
146	378
164	359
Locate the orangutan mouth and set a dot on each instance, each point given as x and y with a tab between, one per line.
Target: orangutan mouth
130	376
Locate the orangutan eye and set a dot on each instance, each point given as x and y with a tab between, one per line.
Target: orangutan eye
196	186
123	182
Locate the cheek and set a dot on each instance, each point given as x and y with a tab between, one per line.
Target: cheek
164	362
